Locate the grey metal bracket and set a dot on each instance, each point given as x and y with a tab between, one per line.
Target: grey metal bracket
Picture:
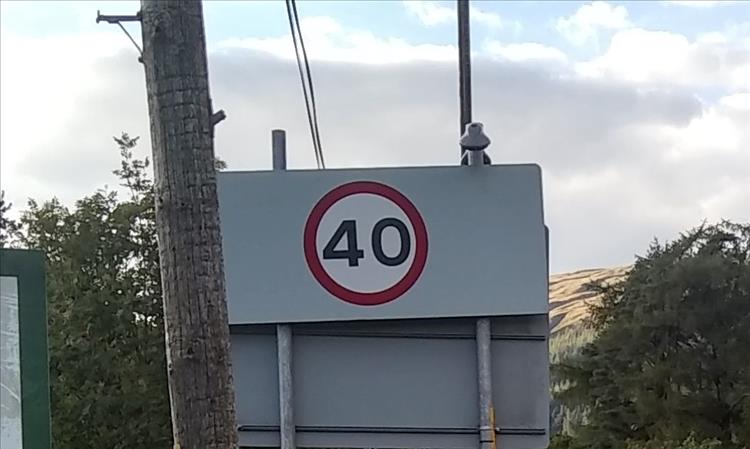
117	20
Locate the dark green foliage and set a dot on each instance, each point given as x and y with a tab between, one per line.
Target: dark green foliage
561	441
106	335
563	345
569	342
220	164
670	361
688	443
8	226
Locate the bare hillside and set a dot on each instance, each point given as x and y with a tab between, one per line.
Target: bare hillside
569	296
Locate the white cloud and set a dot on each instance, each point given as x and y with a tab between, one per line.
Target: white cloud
489	19
645	56
719	129
525	51
585	24
740	101
712	37
42	81
639	55
723	203
700	3
328	40
432	13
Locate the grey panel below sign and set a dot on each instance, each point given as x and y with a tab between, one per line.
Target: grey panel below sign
384	382
256	379
406	384
520	387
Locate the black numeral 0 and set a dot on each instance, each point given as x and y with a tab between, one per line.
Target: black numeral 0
377	241
352	253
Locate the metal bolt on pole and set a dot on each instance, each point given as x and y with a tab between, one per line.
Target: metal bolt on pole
476	158
278	146
284	331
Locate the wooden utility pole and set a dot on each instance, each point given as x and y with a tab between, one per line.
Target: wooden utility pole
187	217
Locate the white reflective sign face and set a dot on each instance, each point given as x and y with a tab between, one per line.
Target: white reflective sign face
10	366
365	243
357	266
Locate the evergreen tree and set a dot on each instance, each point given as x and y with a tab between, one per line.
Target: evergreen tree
671	359
106	336
8	226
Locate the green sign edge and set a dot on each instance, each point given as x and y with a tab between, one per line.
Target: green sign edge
27	266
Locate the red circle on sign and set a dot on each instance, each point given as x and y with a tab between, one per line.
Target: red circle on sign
320	273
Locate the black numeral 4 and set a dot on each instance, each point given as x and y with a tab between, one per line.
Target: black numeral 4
347	228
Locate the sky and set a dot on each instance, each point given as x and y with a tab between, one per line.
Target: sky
637	112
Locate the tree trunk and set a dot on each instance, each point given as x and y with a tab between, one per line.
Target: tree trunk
192	273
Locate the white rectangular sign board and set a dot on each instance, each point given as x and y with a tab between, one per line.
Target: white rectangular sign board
333	245
11	428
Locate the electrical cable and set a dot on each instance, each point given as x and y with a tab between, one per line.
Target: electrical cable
306	79
310	81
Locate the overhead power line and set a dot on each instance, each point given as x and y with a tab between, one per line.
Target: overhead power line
306	78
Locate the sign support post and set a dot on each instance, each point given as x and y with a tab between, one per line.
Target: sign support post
475	158
484	382
474	142
284	331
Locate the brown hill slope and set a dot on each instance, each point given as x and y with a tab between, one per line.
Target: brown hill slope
569	297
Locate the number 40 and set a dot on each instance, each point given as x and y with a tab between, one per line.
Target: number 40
352	253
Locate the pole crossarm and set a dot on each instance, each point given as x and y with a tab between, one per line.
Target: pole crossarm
117	20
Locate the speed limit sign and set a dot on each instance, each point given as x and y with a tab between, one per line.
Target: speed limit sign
303	246
365	243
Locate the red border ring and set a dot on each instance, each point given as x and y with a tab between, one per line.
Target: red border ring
322	276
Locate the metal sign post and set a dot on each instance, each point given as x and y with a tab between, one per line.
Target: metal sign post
473	144
284	331
474	141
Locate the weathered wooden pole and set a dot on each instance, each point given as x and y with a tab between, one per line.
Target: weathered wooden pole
187	217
